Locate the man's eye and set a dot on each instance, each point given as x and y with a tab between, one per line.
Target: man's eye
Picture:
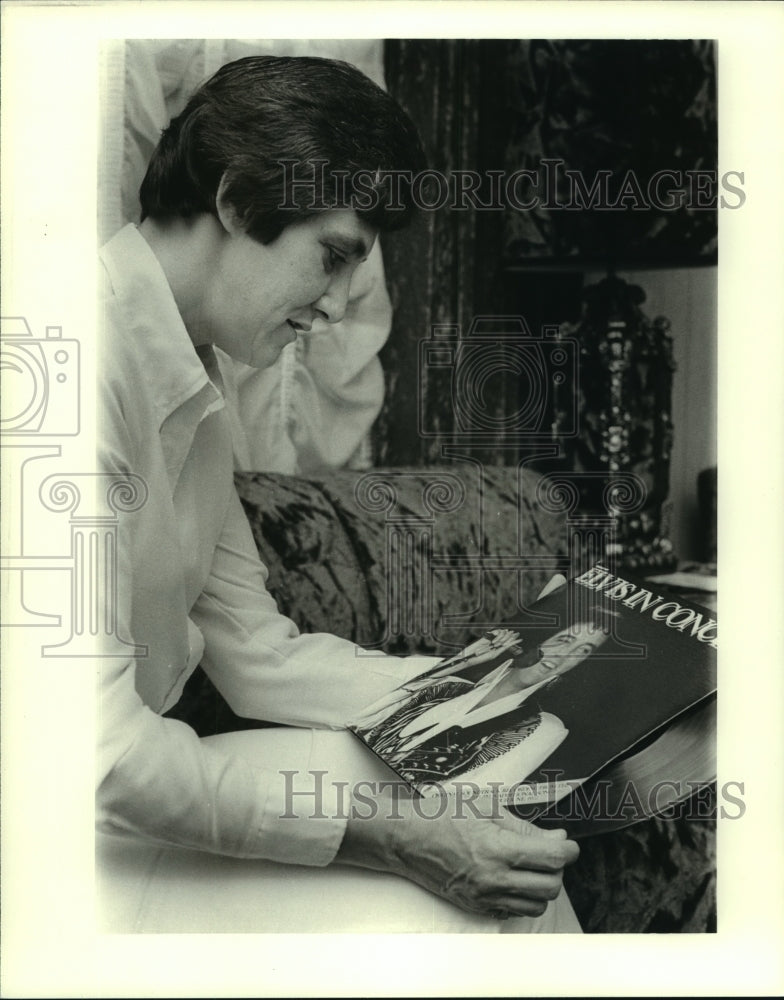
333	260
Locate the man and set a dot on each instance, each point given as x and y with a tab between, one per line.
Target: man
259	203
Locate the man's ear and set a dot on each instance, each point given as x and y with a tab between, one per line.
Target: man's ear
226	212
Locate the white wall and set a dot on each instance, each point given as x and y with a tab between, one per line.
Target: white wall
688	298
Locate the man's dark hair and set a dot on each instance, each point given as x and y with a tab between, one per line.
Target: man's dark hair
293	136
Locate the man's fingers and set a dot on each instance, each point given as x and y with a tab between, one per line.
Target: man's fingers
552	858
528	846
544	854
531	885
524	894
510	906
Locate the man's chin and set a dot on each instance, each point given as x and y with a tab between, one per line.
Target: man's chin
285	333
268	352
265	360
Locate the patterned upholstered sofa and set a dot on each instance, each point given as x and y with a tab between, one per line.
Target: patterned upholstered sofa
418	560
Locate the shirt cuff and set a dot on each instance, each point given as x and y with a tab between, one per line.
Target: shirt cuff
305	817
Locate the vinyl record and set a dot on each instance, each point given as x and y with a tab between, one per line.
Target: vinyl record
645	782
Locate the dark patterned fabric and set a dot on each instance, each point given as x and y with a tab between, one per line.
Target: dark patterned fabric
656	877
315	569
625	107
329	545
597	108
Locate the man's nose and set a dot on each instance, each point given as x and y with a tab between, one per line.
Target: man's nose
333	303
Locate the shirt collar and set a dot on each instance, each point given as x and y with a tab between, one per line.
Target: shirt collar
184	386
175	371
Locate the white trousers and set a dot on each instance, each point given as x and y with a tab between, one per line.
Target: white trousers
146	888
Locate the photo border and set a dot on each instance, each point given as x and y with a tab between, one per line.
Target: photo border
50	114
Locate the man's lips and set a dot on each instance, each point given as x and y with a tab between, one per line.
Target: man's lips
299	327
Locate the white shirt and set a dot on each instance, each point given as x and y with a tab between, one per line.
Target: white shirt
190	589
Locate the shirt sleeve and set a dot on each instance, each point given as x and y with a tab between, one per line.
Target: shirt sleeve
260	662
155	777
159	781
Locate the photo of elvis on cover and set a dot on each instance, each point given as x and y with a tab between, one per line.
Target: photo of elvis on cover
464	715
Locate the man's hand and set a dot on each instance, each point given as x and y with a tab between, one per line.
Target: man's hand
499	866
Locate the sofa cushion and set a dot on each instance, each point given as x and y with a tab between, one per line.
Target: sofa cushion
315	571
391	558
